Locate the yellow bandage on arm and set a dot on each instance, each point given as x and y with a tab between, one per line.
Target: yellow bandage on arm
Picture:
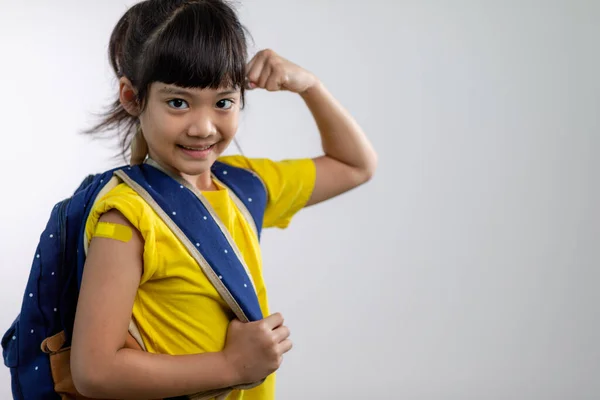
113	231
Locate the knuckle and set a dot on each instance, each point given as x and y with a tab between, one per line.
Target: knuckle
262	326
283	333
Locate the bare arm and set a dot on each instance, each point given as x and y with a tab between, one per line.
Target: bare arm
349	159
101	368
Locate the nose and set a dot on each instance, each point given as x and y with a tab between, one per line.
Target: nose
202	126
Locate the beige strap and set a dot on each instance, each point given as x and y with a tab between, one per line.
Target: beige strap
135	332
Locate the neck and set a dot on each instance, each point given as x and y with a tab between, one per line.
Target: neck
202	182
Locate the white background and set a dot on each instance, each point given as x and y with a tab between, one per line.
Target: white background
469	266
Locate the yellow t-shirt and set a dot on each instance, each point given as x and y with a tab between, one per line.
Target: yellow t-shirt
177	310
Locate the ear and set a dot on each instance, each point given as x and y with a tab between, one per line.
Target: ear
128	97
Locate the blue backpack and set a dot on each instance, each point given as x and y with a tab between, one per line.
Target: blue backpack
51	294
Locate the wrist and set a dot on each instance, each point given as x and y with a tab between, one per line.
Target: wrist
312	89
231	366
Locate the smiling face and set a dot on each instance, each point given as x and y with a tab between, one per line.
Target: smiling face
188	129
177	85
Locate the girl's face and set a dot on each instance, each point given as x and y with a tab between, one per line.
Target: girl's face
187	129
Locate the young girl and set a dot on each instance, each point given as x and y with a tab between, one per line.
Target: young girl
183	71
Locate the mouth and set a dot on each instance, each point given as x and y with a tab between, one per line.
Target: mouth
198	152
197	148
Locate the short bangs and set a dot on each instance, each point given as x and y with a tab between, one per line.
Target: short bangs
196	48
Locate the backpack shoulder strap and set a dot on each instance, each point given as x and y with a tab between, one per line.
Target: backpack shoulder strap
194	222
247	190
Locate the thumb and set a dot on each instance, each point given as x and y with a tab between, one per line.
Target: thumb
235	323
274	320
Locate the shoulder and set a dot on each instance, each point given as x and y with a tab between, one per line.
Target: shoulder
124	199
121	204
270	170
238	161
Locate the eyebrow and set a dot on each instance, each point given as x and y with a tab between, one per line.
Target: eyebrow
182	92
227	92
169	90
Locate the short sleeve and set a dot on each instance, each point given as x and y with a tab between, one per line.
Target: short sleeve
289	185
137	212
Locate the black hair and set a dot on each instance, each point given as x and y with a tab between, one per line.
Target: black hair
188	43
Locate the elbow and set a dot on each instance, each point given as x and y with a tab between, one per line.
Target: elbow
87	384
89	378
368	171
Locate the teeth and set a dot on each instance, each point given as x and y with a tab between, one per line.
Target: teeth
197	148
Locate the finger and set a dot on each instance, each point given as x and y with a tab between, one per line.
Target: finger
280	334
259	56
274	321
274	83
251	63
235	322
255	70
285	346
249	68
265	74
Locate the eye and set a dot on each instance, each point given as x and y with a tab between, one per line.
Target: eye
178	104
225	104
